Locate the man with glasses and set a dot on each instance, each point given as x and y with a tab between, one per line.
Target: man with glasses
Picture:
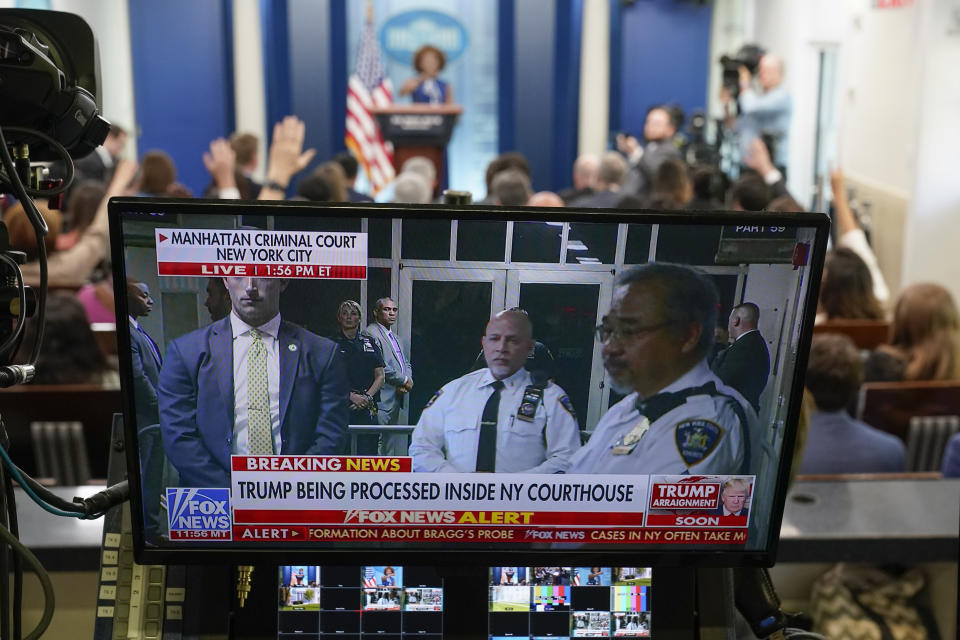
678	417
499	418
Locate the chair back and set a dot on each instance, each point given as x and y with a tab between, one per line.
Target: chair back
889	406
927	438
866	334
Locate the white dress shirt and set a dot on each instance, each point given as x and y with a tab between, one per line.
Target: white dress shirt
448	432
242	341
659	448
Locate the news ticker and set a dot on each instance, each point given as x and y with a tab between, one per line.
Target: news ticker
367	498
261	254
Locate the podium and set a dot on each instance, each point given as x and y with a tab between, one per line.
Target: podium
418	130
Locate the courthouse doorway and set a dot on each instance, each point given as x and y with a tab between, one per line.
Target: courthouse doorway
565	307
446	313
448	309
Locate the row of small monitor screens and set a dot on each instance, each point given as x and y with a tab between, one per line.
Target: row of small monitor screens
524	602
388	576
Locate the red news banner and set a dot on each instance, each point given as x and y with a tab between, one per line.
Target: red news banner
355	499
261	254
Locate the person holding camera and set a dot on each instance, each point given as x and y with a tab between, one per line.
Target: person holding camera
764	113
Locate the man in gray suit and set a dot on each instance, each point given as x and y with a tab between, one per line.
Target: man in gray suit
397	370
146	360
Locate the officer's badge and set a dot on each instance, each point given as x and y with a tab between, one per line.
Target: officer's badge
532	396
626	444
566	404
696	439
432	399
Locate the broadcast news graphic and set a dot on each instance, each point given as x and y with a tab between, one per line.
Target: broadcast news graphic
314	498
267	327
261	254
386	601
536	602
699	501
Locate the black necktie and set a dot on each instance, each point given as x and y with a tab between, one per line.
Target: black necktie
487	449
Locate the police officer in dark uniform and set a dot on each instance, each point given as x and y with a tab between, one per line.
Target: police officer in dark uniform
364	364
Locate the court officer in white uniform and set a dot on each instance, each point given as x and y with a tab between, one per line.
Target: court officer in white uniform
678	417
496	418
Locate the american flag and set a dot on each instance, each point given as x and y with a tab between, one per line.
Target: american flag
369	87
576	578
369	579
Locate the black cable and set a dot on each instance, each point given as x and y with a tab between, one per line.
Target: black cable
93	507
42	575
4	567
17	561
64	156
48	496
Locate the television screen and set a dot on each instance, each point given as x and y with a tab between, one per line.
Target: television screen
338	600
395	383
598	602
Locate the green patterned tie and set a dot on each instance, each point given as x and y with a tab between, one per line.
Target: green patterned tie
259	430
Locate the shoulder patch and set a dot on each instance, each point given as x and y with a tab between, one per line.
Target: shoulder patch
432	399
696	439
566	404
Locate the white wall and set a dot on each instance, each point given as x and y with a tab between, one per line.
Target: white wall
797	31
594	110
248	77
879	116
933	222
110	22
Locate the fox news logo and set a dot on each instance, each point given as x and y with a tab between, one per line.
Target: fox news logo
199	514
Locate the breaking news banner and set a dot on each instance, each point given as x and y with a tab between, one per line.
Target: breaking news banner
358	499
699	502
314	498
261	254
378	499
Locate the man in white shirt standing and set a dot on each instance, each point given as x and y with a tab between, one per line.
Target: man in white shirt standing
496	419
397	371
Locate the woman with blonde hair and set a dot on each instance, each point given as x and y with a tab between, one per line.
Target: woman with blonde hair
925	335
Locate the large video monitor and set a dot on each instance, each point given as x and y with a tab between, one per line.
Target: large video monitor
390	383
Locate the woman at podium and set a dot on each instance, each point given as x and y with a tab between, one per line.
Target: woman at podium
426	87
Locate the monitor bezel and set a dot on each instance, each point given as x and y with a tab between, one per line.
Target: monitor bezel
652	556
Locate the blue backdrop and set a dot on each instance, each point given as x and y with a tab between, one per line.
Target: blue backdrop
311	574
660	52
540	85
183	86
